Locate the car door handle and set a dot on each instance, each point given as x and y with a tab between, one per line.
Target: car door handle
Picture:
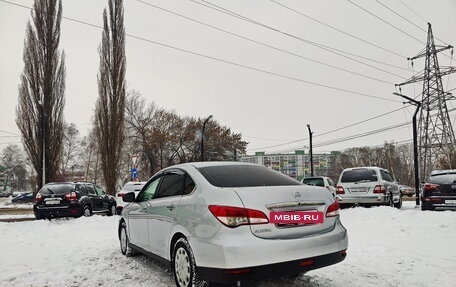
170	207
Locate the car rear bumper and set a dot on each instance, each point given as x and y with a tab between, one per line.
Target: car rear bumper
60	211
439	202
368	199
271	270
240	249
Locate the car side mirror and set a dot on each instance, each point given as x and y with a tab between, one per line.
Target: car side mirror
129	197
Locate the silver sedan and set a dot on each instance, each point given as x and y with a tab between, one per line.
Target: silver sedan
231	222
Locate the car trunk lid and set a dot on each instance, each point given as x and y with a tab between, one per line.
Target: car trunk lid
287	199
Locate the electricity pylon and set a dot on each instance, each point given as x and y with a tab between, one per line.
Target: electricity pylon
435	132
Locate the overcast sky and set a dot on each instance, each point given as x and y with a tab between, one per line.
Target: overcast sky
265	69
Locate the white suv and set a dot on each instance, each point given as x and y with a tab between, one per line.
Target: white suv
368	185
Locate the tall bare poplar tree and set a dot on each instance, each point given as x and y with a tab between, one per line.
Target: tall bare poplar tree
39	114
110	109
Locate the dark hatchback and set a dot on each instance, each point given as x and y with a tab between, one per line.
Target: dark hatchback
439	190
72	199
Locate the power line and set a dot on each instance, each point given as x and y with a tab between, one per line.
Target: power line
404	18
413	11
317	45
226	61
264	44
361	122
335	130
6	132
330	142
386	22
338	30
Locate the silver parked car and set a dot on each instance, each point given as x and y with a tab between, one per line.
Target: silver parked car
230	222
368	185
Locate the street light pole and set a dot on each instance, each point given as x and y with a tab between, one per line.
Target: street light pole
310	151
415	145
202	136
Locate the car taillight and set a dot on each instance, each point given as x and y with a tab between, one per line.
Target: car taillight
333	209
340	190
431	187
232	216
38	197
120	194
71	196
379	189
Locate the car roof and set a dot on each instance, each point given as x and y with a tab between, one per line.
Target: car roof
135	182
70	182
442	171
316	176
212	163
365	167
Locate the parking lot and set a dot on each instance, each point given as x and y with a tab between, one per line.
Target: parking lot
387	247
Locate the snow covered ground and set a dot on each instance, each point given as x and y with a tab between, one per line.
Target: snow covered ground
387	247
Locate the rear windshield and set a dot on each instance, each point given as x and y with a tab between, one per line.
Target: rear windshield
245	176
58	189
357	175
447	178
314	181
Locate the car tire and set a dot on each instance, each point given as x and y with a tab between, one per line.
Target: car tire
112	210
38	217
86	211
124	241
184	266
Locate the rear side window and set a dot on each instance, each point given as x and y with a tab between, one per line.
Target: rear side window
245	176
172	184
357	175
448	178
58	189
386	176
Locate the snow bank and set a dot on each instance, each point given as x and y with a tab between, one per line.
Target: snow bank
387	247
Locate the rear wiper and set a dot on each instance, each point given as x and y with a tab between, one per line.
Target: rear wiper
50	190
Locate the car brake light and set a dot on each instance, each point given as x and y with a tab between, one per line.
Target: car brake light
340	190
431	186
38	197
71	196
232	216
120	194
379	189
333	209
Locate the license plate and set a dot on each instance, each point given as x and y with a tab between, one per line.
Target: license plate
52	202
301	217
450	201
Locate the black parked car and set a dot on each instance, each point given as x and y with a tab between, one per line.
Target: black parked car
72	199
439	190
26	197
